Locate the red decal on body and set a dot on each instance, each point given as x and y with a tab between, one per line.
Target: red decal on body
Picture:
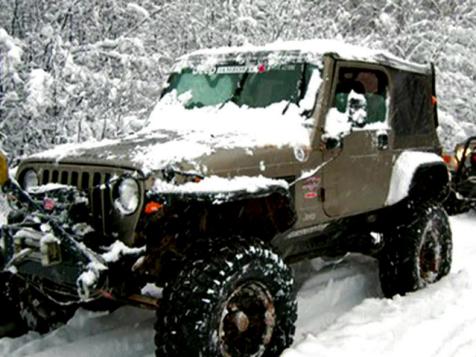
311	187
309	195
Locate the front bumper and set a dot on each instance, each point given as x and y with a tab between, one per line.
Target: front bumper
45	247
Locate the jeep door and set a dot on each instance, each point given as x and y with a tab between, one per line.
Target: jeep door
356	178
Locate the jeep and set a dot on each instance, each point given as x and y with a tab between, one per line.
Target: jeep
253	158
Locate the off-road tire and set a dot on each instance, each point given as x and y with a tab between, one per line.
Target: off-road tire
29	309
236	285
416	253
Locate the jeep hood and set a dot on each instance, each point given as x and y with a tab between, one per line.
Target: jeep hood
194	140
117	152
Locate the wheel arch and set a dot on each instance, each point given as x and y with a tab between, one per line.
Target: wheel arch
430	182
263	213
418	175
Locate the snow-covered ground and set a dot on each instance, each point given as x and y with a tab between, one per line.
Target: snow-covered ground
349	317
341	313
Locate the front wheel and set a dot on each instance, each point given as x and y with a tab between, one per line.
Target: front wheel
416	253
235	300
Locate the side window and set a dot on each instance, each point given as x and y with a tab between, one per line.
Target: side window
362	95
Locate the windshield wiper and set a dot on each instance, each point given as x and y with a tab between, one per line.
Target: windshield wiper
300	86
238	89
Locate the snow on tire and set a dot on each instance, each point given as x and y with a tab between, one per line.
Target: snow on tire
417	253
236	300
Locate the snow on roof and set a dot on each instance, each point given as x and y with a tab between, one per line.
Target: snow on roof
318	47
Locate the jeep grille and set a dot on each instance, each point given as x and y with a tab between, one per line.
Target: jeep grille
92	180
94	183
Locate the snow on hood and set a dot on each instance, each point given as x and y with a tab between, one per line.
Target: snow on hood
204	130
174	134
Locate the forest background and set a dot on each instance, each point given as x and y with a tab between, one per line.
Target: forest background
73	70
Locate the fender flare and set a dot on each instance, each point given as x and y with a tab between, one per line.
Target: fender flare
417	173
263	212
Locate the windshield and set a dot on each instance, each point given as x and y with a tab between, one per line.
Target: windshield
252	86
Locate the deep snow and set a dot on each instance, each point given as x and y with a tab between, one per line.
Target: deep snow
341	313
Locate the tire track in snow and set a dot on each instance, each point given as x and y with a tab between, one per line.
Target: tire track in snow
329	289
460	342
412	325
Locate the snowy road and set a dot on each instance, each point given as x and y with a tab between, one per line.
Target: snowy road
341	313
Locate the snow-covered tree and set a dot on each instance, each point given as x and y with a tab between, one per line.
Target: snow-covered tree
73	70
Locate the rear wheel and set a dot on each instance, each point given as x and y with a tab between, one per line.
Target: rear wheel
236	300
417	253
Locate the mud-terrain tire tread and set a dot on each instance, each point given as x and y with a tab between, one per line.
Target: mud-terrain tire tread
187	316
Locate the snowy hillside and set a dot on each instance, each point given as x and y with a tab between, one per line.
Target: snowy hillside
341	313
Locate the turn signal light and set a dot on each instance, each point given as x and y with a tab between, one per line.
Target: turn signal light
450	161
447	158
152	207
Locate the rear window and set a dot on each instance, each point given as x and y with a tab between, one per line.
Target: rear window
412	109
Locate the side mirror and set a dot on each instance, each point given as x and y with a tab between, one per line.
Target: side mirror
382	140
333	142
3	168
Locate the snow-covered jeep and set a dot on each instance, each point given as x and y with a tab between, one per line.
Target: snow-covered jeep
253	158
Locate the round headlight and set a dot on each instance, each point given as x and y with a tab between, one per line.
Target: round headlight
30	179
128	196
